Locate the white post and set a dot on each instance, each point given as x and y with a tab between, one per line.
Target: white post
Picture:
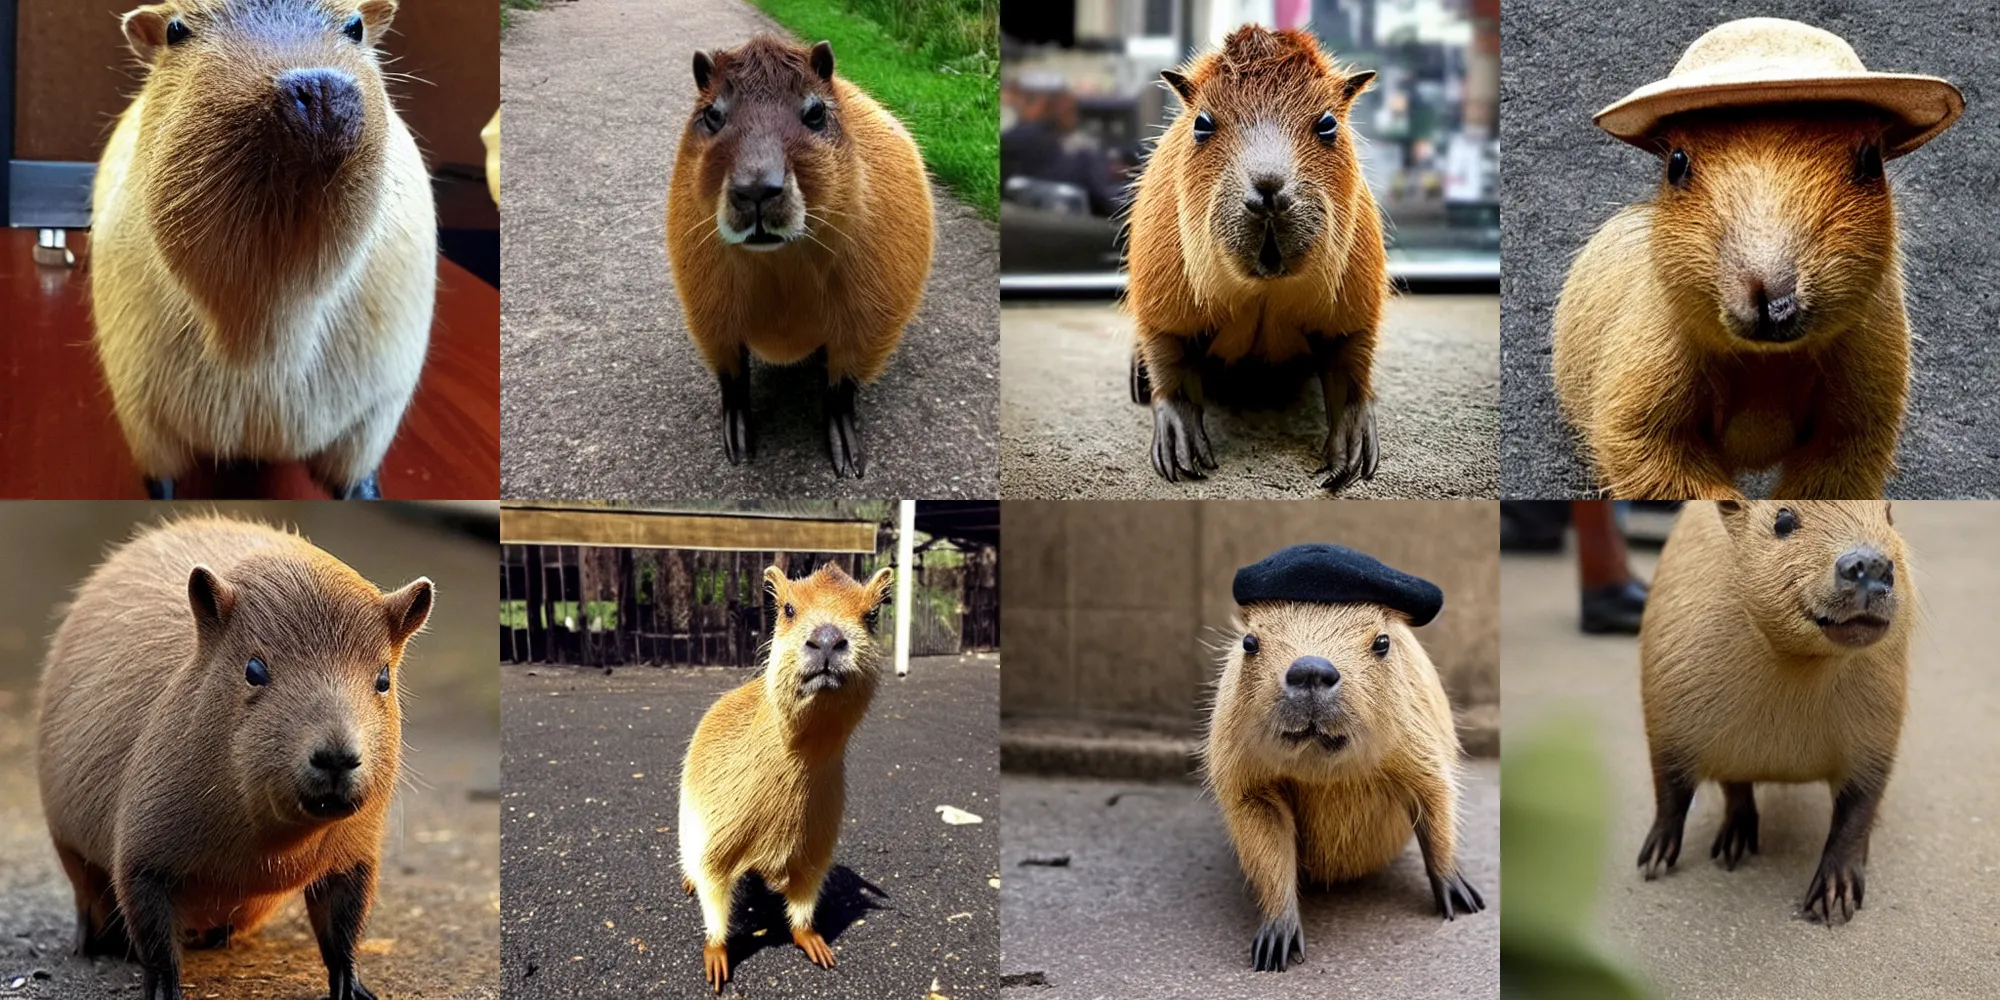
906	539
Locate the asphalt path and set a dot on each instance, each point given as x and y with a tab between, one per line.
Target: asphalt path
602	393
590	855
1562	177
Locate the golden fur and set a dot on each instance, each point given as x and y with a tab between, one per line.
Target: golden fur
1740	684
763	787
1300	810
1652	368
158	759
853	276
251	304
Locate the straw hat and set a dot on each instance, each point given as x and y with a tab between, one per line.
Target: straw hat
1768	60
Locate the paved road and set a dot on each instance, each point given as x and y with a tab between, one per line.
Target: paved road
602	393
1152	904
1069	428
435	928
593	899
1934	864
1562	177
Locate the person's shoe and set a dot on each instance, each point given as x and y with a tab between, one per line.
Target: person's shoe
1614	610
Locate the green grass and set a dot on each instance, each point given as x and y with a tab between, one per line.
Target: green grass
507	8
935	63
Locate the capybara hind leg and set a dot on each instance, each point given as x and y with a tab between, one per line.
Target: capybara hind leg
801	899
1839	884
714	893
146	899
1350	452
1180	440
843	431
1738	834
100	930
1142	387
347	469
337	905
1266	837
1673	792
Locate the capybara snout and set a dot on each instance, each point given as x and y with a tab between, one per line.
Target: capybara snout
321	109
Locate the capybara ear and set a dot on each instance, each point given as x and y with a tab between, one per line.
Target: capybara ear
704	70
408	608
1181	84
377	14
1354	85
146	30
822	60
213	601
1732	514
878	586
1889	511
777	583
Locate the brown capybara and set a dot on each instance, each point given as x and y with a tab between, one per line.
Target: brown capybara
1776	648
1329	744
1255	248
764	783
264	250
220	730
1749	316
798	223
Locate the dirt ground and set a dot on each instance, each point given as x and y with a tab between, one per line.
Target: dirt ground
604	394
434	932
594	905
1701	932
1069	429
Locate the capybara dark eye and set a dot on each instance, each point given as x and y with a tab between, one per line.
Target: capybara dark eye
382	680
354	28
1382	645
791	612
1679	169
814	116
713	119
257	673
1327	127
1868	165
177	32
1204	126
1787	522
1250	644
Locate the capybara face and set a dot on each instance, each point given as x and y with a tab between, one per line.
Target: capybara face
1818	575
1269	151
1320	681
821	641
1780	224
307	675
768	135
272	110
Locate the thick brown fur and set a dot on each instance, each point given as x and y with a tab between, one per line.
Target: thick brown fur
163	769
1742	684
764	783
1655	364
853	274
255	300
1302	809
1194	290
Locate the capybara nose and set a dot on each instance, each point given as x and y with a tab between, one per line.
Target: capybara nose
1865	568
1309	674
1778	310
751	196
1268	196
335	761
826	642
322	107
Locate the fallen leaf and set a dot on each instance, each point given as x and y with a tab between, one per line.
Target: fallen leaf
957	817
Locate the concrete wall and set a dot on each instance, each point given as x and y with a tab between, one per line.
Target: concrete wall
1108	608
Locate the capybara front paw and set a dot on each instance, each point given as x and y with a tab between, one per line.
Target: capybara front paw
1142	385
735	433
1180	442
715	965
814	946
1661	850
1350	453
1738	834
1454	895
343	984
1837	888
843	433
1279	942
159	986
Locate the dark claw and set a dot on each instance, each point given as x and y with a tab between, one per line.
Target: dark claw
342	984
1739	828
1278	943
1838	887
157	989
367	489
1454	895
1350	453
736	415
843	434
1661	850
159	489
1141	384
1180	442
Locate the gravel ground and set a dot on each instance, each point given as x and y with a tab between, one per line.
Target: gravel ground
591	859
1152	904
1069	428
603	394
1562	177
1700	932
434	932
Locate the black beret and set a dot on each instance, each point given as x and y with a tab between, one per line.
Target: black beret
1336	574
